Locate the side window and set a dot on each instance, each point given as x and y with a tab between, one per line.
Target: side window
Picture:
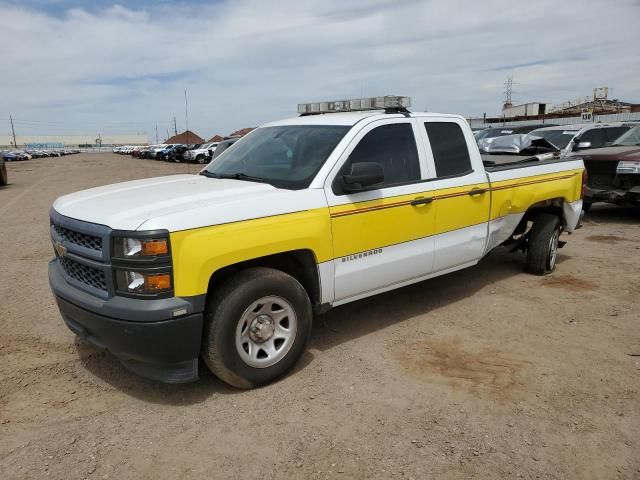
611	134
594	136
449	147
394	148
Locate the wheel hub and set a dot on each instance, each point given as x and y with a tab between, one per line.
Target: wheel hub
262	328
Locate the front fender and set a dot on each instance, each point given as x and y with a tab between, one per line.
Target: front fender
199	253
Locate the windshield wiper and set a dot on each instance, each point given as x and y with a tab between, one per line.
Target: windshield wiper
235	176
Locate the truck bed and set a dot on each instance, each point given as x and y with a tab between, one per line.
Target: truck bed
496	163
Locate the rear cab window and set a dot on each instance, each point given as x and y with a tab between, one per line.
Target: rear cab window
449	148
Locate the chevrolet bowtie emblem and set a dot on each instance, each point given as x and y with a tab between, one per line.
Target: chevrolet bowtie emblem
60	249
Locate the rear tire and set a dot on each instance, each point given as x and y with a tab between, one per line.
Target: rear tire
586	206
543	242
3	175
257	324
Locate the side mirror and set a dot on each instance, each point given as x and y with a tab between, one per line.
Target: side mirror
583	145
363	174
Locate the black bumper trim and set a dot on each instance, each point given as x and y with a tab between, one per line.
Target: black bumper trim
123	308
166	350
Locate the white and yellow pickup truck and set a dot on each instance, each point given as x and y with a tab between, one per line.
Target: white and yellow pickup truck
347	200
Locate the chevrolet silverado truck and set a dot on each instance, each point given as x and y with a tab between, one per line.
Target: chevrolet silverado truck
301	215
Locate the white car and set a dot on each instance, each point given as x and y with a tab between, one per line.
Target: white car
573	138
201	154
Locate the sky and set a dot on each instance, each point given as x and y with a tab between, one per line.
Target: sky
87	66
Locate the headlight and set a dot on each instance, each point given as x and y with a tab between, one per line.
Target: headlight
138	247
128	281
628	167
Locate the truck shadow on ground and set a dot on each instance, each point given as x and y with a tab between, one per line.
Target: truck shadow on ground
340	325
366	316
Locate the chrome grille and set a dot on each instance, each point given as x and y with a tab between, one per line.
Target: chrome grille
81	239
83	273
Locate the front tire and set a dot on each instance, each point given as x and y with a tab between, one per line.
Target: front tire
3	175
543	244
257	324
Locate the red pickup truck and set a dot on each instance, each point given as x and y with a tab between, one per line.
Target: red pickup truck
614	171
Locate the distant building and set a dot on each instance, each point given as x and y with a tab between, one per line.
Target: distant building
532	109
215	138
591	107
70	141
242	132
187	137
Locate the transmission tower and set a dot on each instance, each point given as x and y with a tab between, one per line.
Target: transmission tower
508	90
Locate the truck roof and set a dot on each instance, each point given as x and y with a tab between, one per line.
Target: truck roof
351	118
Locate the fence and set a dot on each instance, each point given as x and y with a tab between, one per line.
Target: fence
614	117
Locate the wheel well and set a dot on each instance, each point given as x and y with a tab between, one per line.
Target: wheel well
300	264
553	206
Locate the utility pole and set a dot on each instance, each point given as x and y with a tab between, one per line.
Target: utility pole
186	115
15	145
175	126
156	134
186	123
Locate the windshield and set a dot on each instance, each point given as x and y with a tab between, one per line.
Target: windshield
560	138
630	138
286	156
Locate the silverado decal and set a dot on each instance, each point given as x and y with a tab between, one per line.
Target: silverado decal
357	256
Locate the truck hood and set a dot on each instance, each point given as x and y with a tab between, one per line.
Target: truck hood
631	153
179	202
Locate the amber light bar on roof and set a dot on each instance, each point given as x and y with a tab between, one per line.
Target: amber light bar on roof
369	103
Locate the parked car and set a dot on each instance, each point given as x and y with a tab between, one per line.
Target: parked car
172	154
4	177
10	157
614	171
573	138
299	216
153	153
200	154
494	132
222	146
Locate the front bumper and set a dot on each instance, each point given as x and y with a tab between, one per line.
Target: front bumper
628	196
153	345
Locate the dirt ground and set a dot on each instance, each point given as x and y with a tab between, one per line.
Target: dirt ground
485	373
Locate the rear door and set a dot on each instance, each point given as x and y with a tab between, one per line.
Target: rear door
460	190
382	237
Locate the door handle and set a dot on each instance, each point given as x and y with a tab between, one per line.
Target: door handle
421	201
477	191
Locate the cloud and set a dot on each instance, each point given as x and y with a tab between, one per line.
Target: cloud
124	67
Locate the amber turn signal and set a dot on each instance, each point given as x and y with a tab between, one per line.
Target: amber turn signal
155	247
157	282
